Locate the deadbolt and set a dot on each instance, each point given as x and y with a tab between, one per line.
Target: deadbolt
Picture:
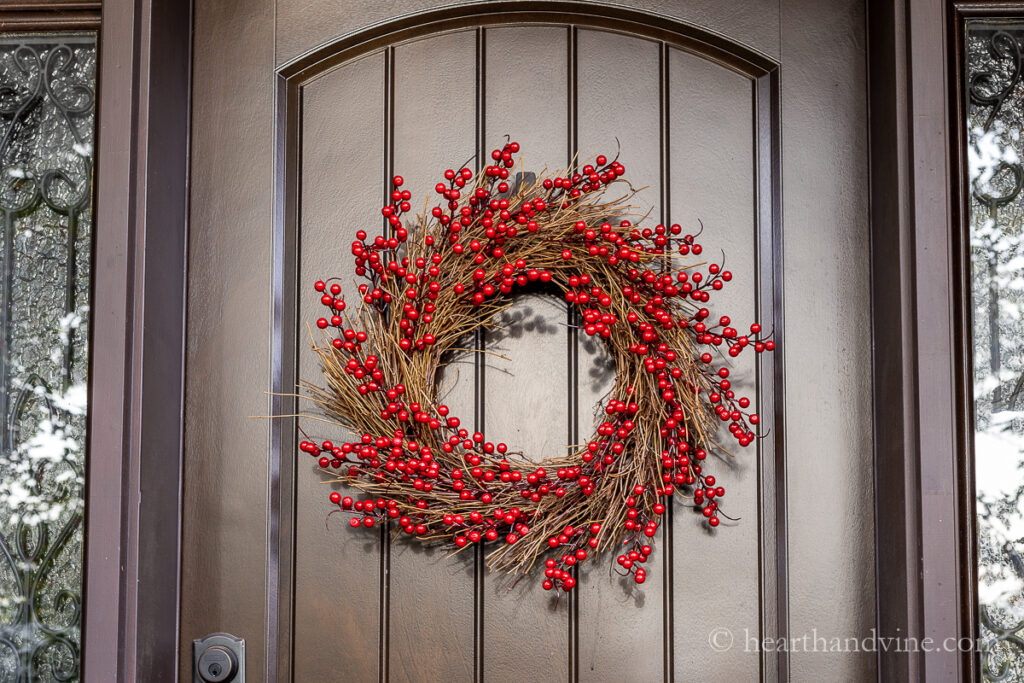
217	664
218	658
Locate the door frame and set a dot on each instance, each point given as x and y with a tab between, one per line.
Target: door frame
924	545
135	464
136	397
140	209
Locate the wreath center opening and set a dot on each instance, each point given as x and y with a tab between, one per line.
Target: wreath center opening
543	381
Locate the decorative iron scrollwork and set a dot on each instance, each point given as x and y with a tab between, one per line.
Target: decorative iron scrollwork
997	651
994	201
983	89
47	104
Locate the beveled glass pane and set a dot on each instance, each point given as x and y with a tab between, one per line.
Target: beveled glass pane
47	105
995	154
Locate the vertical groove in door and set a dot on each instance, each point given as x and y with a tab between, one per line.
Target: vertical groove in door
292	261
770	256
385	529
765	492
666	186
773	551
573	344
283	483
479	367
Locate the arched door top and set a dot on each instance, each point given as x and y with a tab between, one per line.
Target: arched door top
694	39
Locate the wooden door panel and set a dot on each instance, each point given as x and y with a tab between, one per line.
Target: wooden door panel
225	507
621	627
525	98
826	279
526	632
431	593
714	182
337	572
529	90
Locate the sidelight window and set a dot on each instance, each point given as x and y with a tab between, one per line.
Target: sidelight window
47	109
995	156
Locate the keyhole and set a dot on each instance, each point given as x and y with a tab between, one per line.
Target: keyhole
217	663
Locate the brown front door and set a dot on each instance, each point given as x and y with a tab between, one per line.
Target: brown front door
748	116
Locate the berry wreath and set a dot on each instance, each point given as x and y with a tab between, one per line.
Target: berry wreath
449	273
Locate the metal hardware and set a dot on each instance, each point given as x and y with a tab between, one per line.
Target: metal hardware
218	658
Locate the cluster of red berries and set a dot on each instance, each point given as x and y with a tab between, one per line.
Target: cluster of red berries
434	478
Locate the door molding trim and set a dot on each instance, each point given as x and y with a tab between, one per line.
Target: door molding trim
698	40
924	544
50	15
133	482
763	72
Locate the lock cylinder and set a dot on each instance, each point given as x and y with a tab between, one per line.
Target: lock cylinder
218	658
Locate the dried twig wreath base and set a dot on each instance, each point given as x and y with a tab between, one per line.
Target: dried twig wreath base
450	272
